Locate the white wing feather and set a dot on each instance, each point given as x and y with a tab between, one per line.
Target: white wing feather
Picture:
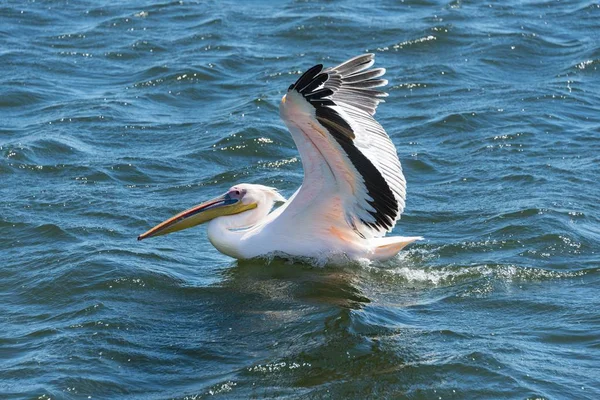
353	179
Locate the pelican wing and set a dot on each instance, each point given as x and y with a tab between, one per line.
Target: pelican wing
347	156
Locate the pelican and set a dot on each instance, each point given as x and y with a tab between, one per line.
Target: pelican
353	190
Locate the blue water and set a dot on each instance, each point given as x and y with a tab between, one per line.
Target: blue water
116	115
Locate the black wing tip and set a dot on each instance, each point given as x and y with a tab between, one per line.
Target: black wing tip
307	77
352	80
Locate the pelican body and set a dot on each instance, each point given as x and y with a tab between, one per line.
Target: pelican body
353	191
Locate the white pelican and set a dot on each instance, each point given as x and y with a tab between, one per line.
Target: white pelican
353	190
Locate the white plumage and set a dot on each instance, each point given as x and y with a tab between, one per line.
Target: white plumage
353	190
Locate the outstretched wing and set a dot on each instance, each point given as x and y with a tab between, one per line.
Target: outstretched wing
347	156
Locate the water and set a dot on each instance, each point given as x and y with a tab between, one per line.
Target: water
116	115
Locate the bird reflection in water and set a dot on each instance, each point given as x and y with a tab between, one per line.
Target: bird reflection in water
279	280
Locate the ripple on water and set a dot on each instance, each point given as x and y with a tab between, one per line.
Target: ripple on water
162	76
408	267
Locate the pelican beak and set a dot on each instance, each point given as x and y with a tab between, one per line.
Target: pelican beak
217	207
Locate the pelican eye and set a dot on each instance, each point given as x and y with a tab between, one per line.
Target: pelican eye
236	194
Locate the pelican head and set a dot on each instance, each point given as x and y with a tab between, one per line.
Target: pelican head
247	201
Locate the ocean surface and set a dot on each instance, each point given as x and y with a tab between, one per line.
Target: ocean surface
116	115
